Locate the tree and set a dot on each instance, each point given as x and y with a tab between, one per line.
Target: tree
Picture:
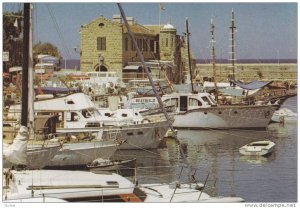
12	37
45	49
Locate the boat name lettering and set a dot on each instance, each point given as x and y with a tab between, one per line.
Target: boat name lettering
145	100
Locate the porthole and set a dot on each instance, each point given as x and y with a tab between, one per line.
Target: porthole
235	112
205	112
220	112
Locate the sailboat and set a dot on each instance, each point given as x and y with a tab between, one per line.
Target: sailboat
202	110
20	152
50	185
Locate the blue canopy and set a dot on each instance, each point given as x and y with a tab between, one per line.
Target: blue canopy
252	85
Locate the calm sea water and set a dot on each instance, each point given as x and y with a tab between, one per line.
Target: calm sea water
214	156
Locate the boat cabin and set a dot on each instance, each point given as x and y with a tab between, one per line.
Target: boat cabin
185	102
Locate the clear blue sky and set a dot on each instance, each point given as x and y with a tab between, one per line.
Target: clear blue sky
264	30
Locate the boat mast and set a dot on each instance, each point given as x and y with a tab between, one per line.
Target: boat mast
31	77
24	114
214	56
232	27
150	78
188	49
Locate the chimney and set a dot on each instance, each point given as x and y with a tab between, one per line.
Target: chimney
130	20
117	18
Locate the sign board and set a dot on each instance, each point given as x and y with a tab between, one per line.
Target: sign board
5	56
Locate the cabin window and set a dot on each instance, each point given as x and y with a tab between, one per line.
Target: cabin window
126	44
107	114
171	102
194	102
72	116
124	114
129	134
86	114
96	124
112	183
101	43
70	102
140	133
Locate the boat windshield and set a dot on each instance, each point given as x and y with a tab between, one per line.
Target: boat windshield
88	113
207	100
259	144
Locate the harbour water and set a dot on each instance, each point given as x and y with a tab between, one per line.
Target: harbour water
213	156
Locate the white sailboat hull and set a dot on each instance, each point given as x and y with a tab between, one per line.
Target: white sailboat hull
226	117
139	136
81	153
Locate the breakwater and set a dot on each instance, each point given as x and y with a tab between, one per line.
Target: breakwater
251	71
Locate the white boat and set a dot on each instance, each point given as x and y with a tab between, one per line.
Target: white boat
101	165
78	114
200	111
58	185
258	148
177	192
71	186
22	152
78	154
284	115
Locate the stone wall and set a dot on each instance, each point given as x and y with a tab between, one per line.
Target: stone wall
114	45
250	72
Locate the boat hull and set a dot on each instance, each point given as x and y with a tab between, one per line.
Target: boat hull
139	136
226	117
37	156
75	155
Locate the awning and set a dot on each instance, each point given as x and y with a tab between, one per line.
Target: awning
131	68
252	85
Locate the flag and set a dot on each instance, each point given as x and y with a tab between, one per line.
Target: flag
16	23
162	7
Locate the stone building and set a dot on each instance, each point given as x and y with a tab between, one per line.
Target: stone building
106	43
107	46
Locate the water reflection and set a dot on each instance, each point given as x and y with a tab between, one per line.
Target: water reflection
258	160
216	154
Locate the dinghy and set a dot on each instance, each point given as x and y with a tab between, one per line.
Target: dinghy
258	148
102	165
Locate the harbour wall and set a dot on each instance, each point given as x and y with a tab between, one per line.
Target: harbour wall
252	71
